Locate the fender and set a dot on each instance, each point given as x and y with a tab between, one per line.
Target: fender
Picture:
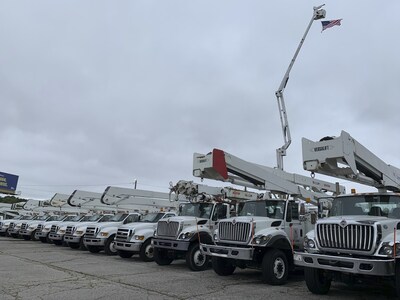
279	242
205	237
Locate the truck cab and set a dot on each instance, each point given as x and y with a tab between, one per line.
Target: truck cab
180	237
136	238
101	236
74	233
43	228
29	228
262	236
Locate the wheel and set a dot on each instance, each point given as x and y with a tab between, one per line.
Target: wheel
14	235
161	257
109	247
275	267
147	251
43	239
57	242
82	245
33	237
397	278
26	237
124	254
317	281
195	259
223	266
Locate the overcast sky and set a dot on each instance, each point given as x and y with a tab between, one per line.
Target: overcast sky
98	93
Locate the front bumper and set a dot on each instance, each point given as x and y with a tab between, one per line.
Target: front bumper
171	244
56	237
13	231
365	266
227	252
41	234
127	246
94	241
26	232
72	239
3	229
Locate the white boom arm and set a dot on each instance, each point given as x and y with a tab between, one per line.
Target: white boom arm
280	152
88	200
343	157
136	199
220	165
200	192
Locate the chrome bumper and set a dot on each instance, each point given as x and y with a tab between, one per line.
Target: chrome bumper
227	252
126	246
375	267
56	237
94	241
171	244
72	239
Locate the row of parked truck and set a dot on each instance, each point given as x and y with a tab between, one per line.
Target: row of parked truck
291	222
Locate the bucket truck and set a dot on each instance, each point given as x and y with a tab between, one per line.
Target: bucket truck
267	230
360	239
137	202
180	237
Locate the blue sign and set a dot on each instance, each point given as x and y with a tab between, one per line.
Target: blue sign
8	183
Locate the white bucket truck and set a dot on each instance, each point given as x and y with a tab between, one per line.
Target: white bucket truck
180	237
266	231
360	240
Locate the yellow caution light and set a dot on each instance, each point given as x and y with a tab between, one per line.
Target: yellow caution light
353	191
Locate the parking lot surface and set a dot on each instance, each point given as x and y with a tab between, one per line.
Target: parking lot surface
34	270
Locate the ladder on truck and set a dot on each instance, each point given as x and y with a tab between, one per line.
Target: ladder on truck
345	158
222	166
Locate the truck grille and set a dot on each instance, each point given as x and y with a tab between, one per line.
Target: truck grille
238	232
69	230
122	235
11	225
351	237
24	226
54	229
40	227
90	232
167	229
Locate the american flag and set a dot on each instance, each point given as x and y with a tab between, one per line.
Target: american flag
329	24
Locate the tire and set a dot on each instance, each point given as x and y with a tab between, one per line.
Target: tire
397	278
147	251
109	247
275	267
14	235
223	266
43	239
82	245
26	237
33	238
161	257
124	254
316	281
93	249
195	259
57	243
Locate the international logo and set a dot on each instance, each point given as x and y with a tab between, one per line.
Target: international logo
343	223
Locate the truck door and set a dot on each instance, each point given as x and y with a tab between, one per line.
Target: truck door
220	212
294	227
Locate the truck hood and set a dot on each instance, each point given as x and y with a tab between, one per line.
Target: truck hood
139	225
105	224
185	220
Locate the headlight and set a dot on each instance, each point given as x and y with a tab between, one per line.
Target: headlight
155	233
61	231
309	243
79	232
261	239
387	249
186	235
46	229
139	237
215	237
32	227
104	234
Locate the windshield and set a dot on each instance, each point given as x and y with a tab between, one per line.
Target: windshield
71	218
118	218
85	219
106	218
152	218
94	218
27	218
43	218
372	205
264	208
200	210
